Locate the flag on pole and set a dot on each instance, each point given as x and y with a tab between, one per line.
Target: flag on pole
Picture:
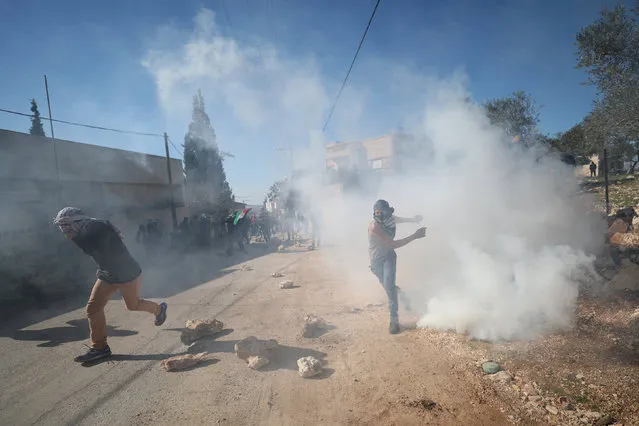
240	215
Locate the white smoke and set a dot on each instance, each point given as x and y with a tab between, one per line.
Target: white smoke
506	232
508	236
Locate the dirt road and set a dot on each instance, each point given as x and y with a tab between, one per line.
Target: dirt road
371	376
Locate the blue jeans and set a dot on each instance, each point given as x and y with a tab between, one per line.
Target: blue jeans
386	271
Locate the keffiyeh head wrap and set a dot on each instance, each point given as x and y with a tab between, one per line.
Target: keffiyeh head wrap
383	214
72	220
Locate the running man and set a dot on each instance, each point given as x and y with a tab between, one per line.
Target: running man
381	249
117	271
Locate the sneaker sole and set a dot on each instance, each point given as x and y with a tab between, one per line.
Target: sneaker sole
157	324
92	359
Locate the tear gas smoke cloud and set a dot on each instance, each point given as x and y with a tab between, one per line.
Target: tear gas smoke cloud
506	232
508	236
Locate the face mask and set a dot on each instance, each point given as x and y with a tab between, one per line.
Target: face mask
383	214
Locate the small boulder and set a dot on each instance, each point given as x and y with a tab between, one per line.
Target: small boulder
277	275
197	329
490	367
183	362
501	376
257	362
312	325
287	284
529	390
252	346
552	410
309	366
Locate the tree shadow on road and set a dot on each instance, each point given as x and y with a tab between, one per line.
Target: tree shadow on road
54	336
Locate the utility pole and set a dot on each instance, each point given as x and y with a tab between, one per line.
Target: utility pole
168	171
55	152
605	153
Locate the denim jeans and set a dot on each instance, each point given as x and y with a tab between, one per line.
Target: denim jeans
386	271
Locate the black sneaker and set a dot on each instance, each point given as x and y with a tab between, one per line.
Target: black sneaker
393	328
94	354
161	317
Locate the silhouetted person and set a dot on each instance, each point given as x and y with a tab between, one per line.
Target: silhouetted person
593	169
140	237
381	249
117	271
316	224
185	226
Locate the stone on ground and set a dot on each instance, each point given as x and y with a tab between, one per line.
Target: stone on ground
253	347
287	284
312	325
257	362
182	362
309	366
490	367
197	329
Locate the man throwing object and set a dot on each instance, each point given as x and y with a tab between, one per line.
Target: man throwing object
381	249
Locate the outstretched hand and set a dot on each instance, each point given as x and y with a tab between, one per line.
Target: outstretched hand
420	233
418	219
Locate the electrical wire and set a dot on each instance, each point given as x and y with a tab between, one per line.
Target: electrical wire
351	67
174	147
90	126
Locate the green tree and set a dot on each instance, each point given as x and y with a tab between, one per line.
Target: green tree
36	122
608	51
517	115
207	188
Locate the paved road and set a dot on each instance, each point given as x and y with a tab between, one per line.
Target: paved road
369	372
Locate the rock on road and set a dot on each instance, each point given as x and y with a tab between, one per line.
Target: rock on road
370	376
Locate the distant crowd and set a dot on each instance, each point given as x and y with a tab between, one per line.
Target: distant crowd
235	230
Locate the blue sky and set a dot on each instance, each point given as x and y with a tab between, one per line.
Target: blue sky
269	69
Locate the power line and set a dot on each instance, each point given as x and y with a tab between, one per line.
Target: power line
351	67
90	126
174	147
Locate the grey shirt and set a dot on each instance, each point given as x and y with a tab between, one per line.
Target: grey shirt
378	252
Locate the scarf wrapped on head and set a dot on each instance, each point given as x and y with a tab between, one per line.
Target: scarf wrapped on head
72	221
383	214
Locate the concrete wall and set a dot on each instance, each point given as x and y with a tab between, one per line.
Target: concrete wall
125	187
24	156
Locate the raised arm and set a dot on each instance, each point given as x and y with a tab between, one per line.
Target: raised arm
416	219
376	231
